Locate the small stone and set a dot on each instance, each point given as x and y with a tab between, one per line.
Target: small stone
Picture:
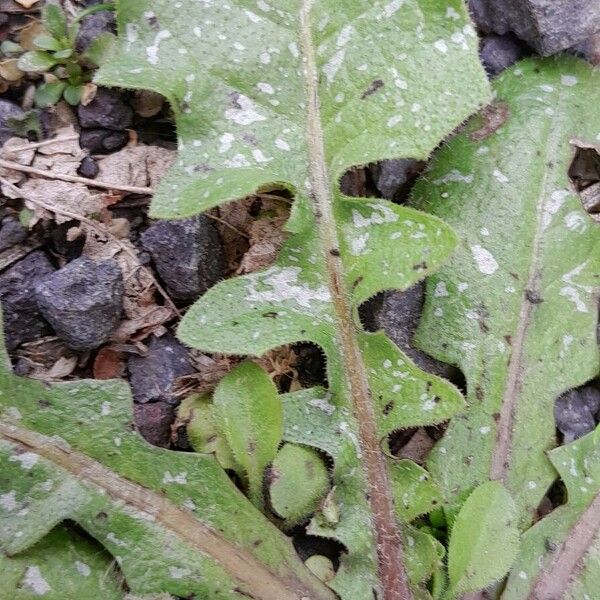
107	110
398	315
152	376
8	111
188	255
394	177
575	412
92	27
83	302
153	422
498	52
548	26
88	168
23	321
98	141
11	233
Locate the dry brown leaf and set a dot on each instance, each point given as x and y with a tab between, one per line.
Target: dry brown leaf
266	239
9	70
109	364
29	32
141	165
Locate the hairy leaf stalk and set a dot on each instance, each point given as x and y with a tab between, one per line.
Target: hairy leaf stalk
389	549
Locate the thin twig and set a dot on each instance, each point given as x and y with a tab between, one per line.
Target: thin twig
224	222
34	145
100	229
7	164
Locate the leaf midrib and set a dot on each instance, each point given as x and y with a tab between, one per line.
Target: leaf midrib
391	570
241	565
501	454
556	578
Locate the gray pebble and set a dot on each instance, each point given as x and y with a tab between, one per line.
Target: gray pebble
548	26
8	110
107	110
153	422
152	375
188	255
11	233
92	27
83	302
98	141
575	412
498	52
23	321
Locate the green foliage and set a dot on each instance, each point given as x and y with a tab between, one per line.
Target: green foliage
56	54
174	521
61	566
298	482
292	95
516	307
559	555
484	540
250	416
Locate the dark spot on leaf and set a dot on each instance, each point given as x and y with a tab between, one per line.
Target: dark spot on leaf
375	85
388	407
203	168
533	297
270	315
356	282
508	339
251	447
102	515
478	392
250	139
153	22
493	116
43	402
422	266
334	251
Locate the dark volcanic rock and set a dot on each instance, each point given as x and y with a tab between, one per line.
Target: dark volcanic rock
11	233
106	110
88	168
498	52
98	141
187	254
83	301
398	315
549	26
394	177
152	376
8	111
153	421
92	27
22	319
575	412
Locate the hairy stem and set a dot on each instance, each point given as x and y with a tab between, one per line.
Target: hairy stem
392	573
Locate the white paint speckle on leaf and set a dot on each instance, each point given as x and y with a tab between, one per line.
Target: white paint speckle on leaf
485	429
454	176
8	501
225	142
462	286
178	572
552	205
345	428
486	263
180	478
82	568
244	112
282	145
265	87
27	459
452	14
575	221
441	46
105	409
358	244
284	285
333	65
253	16
35	582
546	88
500	176
382	213
344	36
569	80
391	8
322	404
572	289
152	51
441	291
